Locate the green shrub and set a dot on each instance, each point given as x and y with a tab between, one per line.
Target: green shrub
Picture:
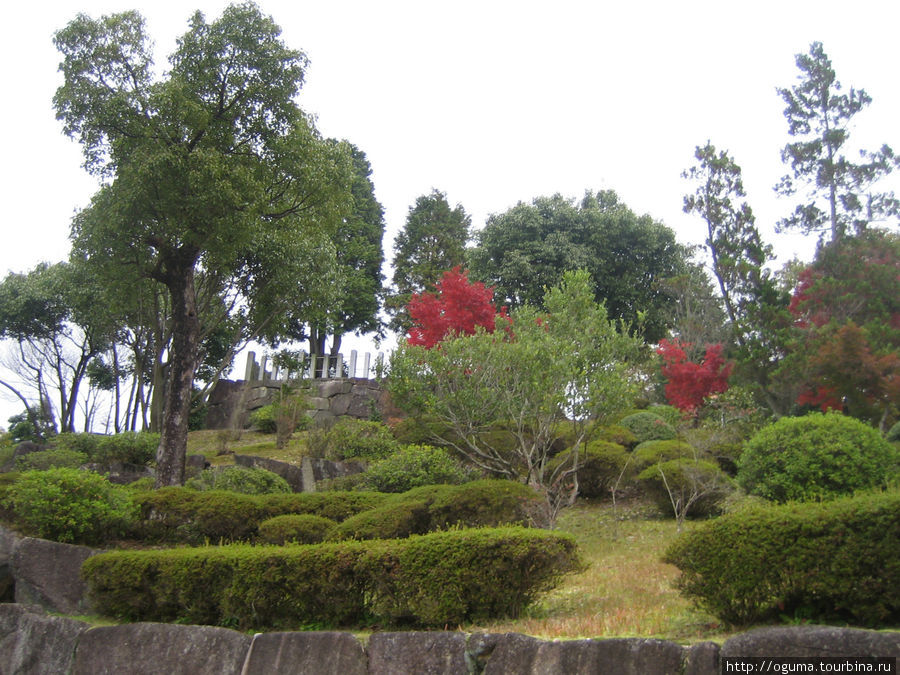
484	503
351	438
70	506
434	580
831	561
413	466
145	483
669	413
182	515
600	464
242	479
462	576
647	426
615	433
131	447
49	459
265	419
654	452
687	487
78	442
296	529
819	456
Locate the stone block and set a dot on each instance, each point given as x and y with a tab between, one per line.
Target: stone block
32	642
340	404
439	653
312	652
48	574
809	641
702	659
153	648
624	656
331	388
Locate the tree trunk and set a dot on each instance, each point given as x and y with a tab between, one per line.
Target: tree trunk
182	362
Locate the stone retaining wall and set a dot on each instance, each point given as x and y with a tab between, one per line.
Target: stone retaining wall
45	577
231	402
34	642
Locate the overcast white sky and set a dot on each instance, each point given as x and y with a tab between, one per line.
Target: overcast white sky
492	102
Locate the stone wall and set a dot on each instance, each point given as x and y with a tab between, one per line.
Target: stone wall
45	578
231	402
34	642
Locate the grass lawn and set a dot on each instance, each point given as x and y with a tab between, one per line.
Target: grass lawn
625	591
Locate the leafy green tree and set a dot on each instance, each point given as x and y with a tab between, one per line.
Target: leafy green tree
529	247
846	328
841	194
503	402
358	244
215	180
432	241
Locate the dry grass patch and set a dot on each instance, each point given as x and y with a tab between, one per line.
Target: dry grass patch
625	592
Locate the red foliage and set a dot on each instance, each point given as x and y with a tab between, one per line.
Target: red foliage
690	383
457	308
823	398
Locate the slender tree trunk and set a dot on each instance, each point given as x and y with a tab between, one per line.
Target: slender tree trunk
182	362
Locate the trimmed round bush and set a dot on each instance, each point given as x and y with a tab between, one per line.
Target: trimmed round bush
242	479
615	433
647	426
70	505
654	452
295	528
600	463
414	466
822	561
819	456
698	487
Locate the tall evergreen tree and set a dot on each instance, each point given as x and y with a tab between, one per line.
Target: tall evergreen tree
841	195
432	241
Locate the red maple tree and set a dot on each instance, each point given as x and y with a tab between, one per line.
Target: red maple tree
457	307
689	383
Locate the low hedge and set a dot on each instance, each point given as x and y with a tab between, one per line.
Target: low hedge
483	503
836	560
434	580
181	515
302	528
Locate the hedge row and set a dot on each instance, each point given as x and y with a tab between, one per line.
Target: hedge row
179	515
836	560
482	503
182	515
439	579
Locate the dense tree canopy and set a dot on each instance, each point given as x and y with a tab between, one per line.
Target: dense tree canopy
526	249
212	174
846	336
